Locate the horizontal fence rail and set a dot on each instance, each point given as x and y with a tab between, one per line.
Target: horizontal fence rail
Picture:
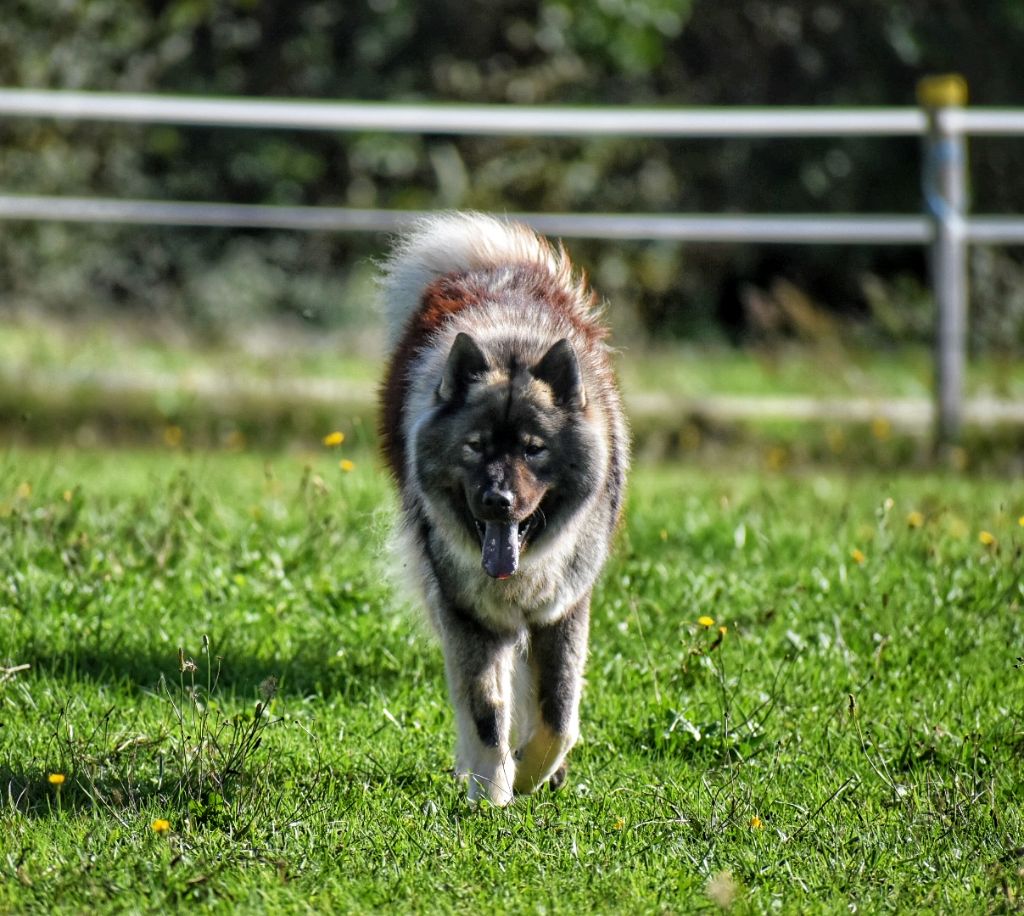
793	229
504	120
786	229
941	121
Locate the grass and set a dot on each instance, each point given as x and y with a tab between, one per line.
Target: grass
854	739
828	368
96	382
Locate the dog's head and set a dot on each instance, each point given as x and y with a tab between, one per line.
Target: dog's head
508	446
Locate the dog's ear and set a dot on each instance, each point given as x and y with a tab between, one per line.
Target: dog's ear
560	369
466	361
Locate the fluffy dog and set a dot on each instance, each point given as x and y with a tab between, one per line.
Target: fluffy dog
502	424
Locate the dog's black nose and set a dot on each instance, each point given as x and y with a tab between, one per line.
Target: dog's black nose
498	499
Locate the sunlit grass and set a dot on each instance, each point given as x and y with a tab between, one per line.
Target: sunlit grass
802	694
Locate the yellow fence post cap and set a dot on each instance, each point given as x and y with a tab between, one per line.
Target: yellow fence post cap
942	91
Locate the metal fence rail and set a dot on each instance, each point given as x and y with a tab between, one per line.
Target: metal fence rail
503	120
794	229
941	121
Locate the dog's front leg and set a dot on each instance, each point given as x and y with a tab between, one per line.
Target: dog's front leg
558	654
479	663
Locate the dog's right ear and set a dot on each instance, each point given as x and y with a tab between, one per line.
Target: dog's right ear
466	361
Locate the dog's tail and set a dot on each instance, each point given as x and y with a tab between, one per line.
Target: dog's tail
460	241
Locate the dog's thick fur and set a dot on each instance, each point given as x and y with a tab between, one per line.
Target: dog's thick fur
502	424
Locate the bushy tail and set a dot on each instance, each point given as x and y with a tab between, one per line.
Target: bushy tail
451	242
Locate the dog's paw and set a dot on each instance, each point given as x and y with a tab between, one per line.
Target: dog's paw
497	793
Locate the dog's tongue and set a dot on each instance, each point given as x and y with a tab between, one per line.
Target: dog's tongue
501	549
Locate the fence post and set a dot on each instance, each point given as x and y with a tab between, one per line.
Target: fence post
944	182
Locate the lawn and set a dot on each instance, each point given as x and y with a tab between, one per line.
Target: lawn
246	719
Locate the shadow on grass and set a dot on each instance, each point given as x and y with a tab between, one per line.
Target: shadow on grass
355	675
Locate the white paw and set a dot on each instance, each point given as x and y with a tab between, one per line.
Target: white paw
540	757
491	776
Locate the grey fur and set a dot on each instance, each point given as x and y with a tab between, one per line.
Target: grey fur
514	425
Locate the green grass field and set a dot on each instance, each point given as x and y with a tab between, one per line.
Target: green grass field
853	738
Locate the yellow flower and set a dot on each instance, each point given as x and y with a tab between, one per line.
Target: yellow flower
347	465
706	621
915	519
173	436
333	439
987	538
857	556
619	824
160	825
1020	521
55	779
722	631
24	490
663	534
756	823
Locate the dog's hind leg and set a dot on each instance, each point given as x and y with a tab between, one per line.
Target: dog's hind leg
479	665
558	654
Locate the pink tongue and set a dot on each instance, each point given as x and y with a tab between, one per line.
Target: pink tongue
501	549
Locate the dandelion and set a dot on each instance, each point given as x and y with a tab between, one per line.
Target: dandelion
68	495
722	631
756	823
57	780
987	538
1020	521
915	519
663	534
346	465
268	688
857	556
723	889
619	824
332	440
706	621
160	825
24	490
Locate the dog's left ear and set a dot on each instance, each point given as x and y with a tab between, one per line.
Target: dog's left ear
466	361
560	369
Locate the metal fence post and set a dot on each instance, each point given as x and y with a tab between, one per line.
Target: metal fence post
945	198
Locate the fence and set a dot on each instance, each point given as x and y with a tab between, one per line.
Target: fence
941	121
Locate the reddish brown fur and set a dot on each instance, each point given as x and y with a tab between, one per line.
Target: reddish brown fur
441	300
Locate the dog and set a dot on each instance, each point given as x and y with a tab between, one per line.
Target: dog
501	422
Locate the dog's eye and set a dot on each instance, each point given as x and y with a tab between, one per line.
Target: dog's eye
534	449
475	445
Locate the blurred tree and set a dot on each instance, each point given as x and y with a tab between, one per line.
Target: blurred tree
668	52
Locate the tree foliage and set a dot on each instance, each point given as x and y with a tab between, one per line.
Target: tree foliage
631	52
